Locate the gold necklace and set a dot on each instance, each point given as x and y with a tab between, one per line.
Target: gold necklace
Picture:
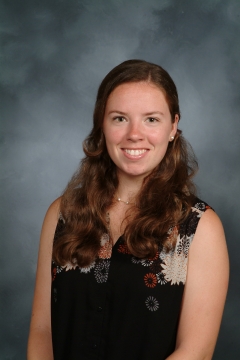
125	202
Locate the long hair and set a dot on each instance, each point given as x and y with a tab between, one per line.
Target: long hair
166	195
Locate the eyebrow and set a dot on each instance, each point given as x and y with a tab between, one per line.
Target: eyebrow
145	114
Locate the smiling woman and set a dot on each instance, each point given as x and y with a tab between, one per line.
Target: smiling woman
137	127
139	263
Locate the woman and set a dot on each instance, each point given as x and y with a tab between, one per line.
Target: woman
128	280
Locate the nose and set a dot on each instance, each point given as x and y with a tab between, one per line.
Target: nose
135	131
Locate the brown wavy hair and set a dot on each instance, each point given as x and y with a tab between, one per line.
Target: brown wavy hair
164	200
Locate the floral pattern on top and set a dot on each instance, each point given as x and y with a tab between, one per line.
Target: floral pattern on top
170	266
122	248
161	278
105	251
150	280
175	268
152	303
87	269
166	267
70	266
146	262
101	271
100	266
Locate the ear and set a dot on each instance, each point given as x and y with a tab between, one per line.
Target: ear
175	126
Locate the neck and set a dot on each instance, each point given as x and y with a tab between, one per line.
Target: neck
128	187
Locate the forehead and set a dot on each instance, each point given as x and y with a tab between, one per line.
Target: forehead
140	94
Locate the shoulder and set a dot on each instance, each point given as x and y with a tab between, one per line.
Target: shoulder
53	212
208	222
200	207
204	230
208	226
50	222
189	226
210	230
54	209
209	247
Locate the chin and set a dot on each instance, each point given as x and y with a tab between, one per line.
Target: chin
134	172
140	174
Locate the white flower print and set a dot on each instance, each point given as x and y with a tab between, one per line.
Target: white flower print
101	271
59	269
104	239
175	261
197	209
186	242
200	206
175	268
146	262
87	269
135	260
164	253
70	265
152	303
61	218
161	279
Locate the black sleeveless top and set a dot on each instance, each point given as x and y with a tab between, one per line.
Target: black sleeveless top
121	307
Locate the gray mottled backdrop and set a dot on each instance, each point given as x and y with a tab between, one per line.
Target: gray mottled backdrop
54	55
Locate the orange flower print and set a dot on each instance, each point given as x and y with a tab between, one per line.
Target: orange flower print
150	280
105	251
155	257
122	248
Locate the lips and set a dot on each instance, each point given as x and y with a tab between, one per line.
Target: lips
135	152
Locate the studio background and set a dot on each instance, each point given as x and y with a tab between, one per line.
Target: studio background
54	55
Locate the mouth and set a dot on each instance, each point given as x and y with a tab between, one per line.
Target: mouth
135	152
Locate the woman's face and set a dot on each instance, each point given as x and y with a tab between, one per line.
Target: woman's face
138	127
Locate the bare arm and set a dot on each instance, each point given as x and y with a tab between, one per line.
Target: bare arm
40	340
205	292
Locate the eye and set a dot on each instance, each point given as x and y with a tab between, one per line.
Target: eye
119	118
152	120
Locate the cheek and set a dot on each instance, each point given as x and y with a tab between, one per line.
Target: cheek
112	137
160	138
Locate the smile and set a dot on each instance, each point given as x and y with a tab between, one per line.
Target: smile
135	152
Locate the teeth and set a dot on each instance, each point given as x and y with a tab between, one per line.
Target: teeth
135	152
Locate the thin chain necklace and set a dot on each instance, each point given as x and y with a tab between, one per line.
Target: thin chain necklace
125	202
